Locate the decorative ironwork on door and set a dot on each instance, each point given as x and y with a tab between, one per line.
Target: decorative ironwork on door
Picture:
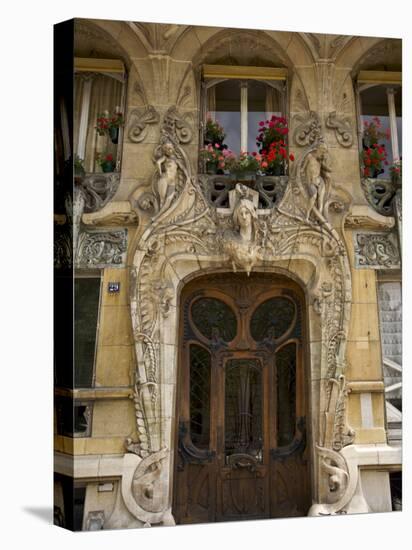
241	442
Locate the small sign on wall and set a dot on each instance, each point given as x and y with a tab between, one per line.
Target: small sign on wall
113	287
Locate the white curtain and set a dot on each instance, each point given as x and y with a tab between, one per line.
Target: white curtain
106	95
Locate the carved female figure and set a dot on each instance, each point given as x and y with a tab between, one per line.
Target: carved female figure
168	165
317	169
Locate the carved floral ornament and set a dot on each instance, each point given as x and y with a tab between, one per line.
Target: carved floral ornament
309	128
184	235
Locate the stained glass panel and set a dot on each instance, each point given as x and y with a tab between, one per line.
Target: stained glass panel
243	408
286	394
199	396
214	319
272	318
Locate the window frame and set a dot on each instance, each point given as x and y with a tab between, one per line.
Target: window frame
276	77
89	274
391	80
89	66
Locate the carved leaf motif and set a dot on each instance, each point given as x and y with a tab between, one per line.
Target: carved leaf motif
342	127
139	121
309	130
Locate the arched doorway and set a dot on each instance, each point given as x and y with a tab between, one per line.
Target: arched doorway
242	408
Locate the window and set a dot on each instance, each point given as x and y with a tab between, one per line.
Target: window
99	90
380	95
239	98
390	317
86	310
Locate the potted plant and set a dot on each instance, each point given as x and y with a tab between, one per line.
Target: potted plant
217	160
109	125
274	159
373	158
372	132
271	131
245	166
106	162
214	133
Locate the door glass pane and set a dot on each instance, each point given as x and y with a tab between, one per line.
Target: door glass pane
243	408
199	396
272	318
214	319
286	394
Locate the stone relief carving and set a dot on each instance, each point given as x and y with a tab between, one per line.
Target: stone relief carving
98	190
317	170
139	121
187	231
342	127
101	249
309	130
380	194
240	243
178	125
376	250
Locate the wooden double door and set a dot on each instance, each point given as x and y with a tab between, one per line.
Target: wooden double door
241	438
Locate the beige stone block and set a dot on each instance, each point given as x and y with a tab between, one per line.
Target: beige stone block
354	411
364	322
137	161
79	445
315	326
118	299
378	408
369	436
115	326
364	360
113	418
102	445
114	366
363	285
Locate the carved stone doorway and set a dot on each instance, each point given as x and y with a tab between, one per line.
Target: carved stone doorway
242	407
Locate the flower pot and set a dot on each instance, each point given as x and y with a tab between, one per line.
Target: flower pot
114	134
108	166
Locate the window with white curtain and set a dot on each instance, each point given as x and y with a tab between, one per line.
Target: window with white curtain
99	88
239	103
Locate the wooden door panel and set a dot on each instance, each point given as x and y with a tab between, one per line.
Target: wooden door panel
241	401
244	494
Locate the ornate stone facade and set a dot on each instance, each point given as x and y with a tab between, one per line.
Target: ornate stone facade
308	227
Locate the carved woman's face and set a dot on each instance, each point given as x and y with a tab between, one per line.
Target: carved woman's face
244	217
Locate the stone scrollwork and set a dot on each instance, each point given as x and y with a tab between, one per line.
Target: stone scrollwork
342	127
380	194
308	130
187	235
98	190
139	122
376	250
101	249
176	124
